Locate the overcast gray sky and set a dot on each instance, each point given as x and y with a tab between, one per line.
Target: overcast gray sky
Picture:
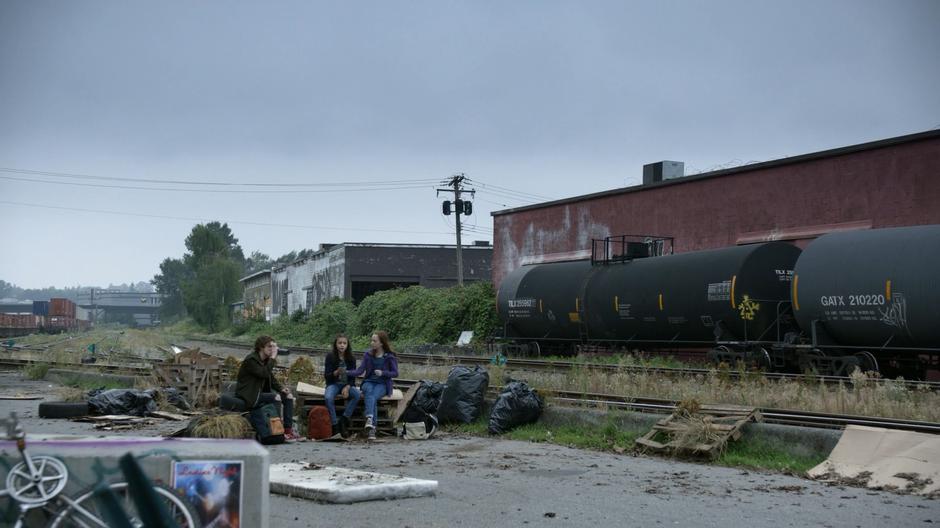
545	98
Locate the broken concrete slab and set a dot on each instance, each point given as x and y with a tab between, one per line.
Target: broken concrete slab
342	485
904	461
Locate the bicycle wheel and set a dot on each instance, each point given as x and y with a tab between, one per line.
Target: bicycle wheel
84	512
50	478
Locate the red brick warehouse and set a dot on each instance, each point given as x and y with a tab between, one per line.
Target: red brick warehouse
888	183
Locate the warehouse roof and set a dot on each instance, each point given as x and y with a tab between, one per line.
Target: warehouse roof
882	143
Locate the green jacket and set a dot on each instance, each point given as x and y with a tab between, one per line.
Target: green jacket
254	377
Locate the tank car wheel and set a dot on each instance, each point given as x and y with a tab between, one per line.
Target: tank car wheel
867	362
720	354
762	359
535	349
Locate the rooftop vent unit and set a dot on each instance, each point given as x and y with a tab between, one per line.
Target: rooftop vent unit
662	170
481	243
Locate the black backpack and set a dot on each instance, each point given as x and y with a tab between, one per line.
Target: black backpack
266	421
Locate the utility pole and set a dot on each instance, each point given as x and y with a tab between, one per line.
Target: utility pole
459	207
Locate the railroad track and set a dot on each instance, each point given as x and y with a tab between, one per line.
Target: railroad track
582	399
556	365
136	370
773	416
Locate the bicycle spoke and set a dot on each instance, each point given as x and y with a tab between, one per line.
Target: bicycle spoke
22	491
26	476
42	467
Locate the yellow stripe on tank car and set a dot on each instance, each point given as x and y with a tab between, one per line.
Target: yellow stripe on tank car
616	304
888	289
796	300
734	279
660	302
577	304
540	305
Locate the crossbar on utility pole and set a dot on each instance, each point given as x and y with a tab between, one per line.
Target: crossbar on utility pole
456	183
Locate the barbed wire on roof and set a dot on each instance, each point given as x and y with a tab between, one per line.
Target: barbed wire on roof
722	166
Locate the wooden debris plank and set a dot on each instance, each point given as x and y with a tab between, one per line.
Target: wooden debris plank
169	416
403	403
112	418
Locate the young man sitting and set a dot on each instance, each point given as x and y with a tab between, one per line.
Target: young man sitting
257	386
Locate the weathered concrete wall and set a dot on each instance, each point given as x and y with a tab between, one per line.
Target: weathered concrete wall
886	185
329	277
279	291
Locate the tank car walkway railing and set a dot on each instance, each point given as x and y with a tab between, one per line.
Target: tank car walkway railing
623	248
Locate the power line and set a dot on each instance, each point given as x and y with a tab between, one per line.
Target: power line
195	219
236	191
211	183
508	197
512	191
496	203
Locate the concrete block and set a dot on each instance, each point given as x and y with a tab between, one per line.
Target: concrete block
228	474
344	486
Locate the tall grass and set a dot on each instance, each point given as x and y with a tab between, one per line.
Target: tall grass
36	371
862	396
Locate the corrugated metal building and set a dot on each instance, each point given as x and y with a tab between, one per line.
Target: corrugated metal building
355	270
887	183
257	296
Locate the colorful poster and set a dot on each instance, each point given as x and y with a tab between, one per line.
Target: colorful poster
214	488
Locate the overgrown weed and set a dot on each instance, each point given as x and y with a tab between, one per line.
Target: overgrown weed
36	371
863	397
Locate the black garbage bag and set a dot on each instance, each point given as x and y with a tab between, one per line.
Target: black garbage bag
516	405
175	398
122	401
428	396
462	400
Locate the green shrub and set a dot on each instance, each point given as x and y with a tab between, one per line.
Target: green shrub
36	371
335	316
409	315
438	315
286	331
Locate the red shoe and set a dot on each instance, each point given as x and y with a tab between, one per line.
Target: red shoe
290	436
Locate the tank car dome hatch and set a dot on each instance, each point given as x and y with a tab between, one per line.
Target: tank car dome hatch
874	288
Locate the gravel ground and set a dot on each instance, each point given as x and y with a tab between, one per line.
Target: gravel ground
492	482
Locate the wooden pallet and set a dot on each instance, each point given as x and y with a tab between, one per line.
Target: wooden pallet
726	420
386	408
191	372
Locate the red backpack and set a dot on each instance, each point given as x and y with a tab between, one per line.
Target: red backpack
318	423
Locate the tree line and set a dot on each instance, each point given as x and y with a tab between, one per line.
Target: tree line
204	282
